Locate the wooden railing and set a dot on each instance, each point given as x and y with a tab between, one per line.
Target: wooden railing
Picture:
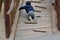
57	7
10	8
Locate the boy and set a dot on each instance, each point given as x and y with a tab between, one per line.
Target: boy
29	9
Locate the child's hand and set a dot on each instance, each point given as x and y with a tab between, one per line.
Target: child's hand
19	9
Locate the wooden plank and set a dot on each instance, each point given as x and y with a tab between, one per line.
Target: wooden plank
42	0
7	26
16	3
30	22
7	20
6	6
39	31
57	3
38	16
37	11
41	7
35	1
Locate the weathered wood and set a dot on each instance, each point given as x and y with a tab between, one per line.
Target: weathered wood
42	0
39	31
57	3
37	11
30	22
17	3
35	1
6	6
9	18
41	7
7	26
0	5
38	16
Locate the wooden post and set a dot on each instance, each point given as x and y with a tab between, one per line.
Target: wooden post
7	19
57	2
16	3
6	5
7	26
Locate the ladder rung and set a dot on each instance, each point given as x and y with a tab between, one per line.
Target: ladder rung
38	16
42	0
29	22
41	7
39	31
37	11
35	1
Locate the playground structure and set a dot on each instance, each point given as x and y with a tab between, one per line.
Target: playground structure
11	15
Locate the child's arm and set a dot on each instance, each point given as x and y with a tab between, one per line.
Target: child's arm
23	7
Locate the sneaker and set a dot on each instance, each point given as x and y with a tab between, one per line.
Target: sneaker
30	18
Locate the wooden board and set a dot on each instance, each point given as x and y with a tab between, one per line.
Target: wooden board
38	16
37	11
39	31
41	7
35	1
30	22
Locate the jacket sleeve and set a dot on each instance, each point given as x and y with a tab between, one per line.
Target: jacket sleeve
23	7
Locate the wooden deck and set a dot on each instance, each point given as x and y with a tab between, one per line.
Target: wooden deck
46	22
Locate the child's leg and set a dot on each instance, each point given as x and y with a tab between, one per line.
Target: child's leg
31	15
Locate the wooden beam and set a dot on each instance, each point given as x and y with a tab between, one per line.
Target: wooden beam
39	31
57	6
7	18
38	16
41	7
6	5
35	1
7	26
16	3
30	22
37	11
42	0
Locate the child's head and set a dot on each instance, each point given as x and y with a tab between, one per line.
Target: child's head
28	3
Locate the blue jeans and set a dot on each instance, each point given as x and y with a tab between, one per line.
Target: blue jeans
31	14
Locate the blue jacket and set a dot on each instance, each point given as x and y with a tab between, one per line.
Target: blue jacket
27	8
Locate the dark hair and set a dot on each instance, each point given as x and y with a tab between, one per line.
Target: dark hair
28	3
